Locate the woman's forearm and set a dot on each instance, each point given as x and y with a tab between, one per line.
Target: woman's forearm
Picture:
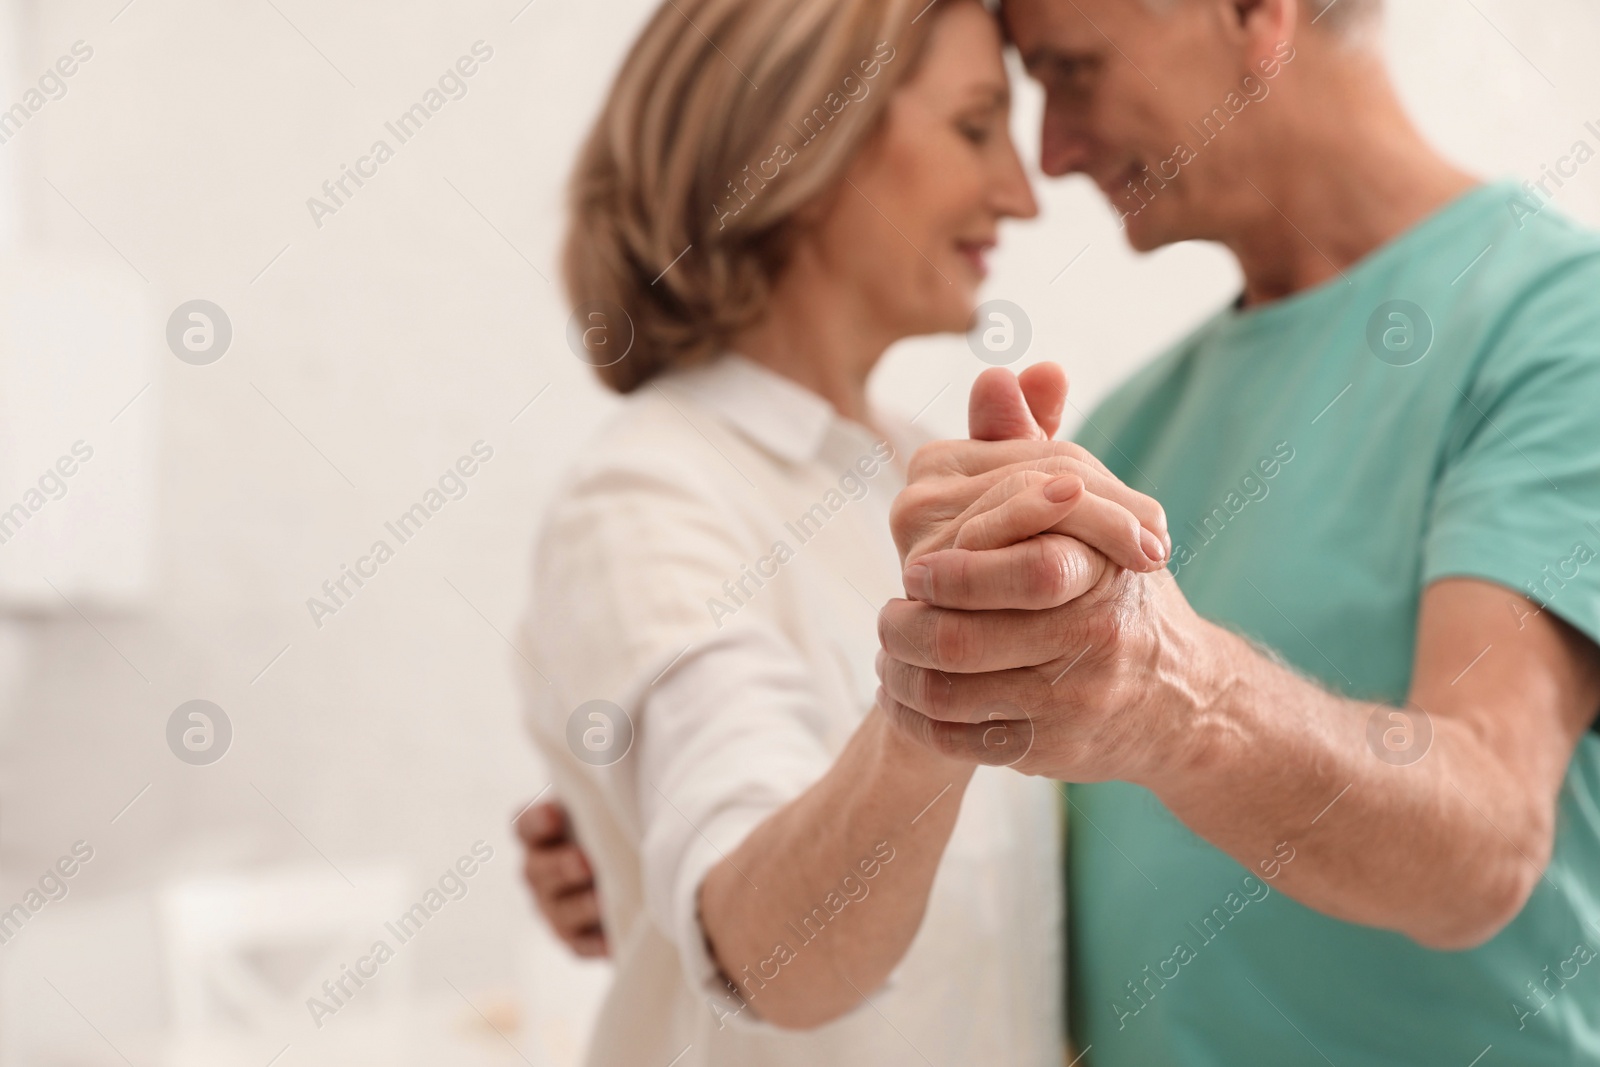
815	908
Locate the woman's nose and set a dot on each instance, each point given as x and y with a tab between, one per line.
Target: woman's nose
1014	194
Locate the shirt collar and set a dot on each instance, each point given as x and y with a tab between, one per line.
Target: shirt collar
778	414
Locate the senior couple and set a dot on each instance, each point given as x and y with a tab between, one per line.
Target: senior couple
877	750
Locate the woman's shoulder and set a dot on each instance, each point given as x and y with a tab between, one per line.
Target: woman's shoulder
656	485
648	446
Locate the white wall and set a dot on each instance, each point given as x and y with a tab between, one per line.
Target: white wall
367	357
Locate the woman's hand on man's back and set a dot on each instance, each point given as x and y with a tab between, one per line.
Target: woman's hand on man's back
562	882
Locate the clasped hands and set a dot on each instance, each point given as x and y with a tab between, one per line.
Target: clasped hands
1041	629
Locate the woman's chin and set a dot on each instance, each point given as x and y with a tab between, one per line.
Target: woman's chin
962	312
950	310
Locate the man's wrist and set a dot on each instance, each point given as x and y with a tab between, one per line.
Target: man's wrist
1204	668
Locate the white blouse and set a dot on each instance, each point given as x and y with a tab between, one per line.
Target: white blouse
704	629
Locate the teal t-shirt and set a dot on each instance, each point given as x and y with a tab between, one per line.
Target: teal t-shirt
1434	412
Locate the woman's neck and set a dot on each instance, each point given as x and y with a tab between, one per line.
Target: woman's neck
820	336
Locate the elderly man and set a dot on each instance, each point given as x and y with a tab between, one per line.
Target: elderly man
1335	799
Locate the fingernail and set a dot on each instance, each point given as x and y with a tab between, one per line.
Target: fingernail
919	581
1153	547
1061	490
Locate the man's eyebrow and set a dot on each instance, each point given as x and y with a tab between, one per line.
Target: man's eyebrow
1061	61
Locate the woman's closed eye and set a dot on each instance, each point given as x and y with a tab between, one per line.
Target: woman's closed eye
979	124
976	132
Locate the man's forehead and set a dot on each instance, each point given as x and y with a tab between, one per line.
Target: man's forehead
1071	29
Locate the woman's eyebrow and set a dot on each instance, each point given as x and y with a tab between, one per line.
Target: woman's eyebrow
992	94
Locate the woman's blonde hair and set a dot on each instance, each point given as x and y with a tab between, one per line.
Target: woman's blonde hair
727	118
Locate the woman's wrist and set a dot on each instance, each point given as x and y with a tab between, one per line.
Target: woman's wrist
909	763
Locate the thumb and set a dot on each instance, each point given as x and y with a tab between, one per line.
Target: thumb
1044	386
997	410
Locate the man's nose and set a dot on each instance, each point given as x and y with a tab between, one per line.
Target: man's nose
1064	148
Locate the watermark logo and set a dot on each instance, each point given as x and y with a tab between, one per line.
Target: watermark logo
53	885
852	486
1400	333
748	185
1008	735
52	486
1131	200
1001	333
199	732
599	733
853	888
1399	736
199	332
452	885
52	86
1253	487
600	333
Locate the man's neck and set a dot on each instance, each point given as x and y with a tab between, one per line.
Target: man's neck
1352	188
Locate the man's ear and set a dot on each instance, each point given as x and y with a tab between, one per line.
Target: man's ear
1268	25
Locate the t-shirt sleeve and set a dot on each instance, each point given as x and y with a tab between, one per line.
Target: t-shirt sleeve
1518	499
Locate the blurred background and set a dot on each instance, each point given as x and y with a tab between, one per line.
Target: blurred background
356	760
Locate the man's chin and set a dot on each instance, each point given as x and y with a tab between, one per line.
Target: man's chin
1146	234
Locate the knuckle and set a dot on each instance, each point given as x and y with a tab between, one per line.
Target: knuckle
1055	466
933	694
930	457
1073	565
1108	624
1128	528
952	643
1028	479
909	506
1042	571
949	740
952	575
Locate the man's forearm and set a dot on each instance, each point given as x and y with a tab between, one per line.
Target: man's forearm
1440	849
821	901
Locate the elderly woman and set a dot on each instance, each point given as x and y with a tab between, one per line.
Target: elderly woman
775	192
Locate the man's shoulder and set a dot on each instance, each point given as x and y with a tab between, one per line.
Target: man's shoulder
1538	301
1526	257
1116	415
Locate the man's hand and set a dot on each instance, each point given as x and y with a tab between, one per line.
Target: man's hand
1023	648
1016	613
562	882
1115	676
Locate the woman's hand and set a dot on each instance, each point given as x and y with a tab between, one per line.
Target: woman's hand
1011	481
561	880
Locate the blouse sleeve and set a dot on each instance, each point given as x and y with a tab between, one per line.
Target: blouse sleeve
726	718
